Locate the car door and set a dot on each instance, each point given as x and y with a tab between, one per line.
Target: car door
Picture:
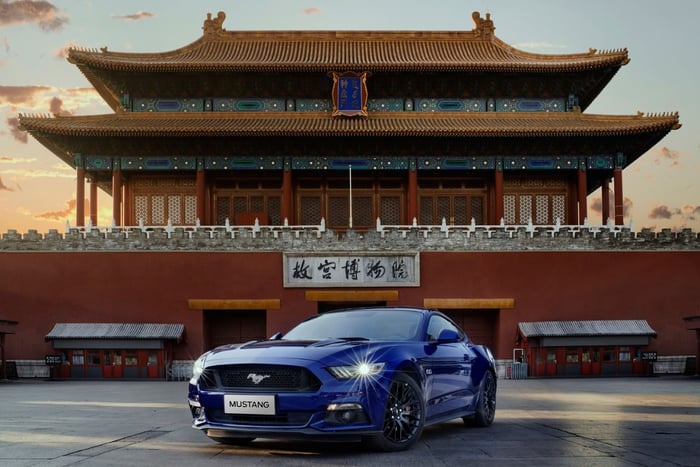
449	367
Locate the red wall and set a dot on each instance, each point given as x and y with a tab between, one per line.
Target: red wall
39	289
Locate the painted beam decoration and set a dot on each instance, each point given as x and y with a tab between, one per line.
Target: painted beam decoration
351	270
349	94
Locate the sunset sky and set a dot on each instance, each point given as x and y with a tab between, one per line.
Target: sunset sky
661	190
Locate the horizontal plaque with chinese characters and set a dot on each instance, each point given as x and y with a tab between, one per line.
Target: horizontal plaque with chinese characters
351	270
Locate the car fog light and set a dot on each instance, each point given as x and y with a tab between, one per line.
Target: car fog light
345	414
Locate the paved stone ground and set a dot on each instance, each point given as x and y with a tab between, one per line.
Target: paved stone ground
652	421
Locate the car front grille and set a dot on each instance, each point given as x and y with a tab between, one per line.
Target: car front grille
278	378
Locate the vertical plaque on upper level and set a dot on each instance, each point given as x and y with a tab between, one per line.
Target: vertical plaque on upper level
349	94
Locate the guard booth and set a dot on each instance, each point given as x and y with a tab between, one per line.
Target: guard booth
586	348
113	350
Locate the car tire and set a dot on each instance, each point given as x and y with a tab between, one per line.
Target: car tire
404	416
233	441
485	410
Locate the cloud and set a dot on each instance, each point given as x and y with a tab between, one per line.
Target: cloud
64	171
58	215
56	107
21	95
17	134
62	53
4	187
666	154
685	213
596	205
662	212
45	99
42	13
15	160
690	212
62	215
312	11
136	16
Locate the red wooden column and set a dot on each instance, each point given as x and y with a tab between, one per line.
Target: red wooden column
287	195
116	193
582	193
498	188
412	192
605	194
617	186
80	198
201	190
619	203
93	201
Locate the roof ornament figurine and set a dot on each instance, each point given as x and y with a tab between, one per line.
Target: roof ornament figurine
214	26
484	27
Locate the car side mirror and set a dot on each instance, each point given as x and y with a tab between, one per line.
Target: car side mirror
276	336
448	335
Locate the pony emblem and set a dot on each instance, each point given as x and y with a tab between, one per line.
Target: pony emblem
256	378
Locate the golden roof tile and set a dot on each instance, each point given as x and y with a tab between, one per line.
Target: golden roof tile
218	50
473	124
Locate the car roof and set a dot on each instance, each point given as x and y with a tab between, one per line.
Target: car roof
383	308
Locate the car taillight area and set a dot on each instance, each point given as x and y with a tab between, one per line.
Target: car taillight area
267	378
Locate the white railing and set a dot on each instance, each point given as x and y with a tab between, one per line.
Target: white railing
233	231
226	230
510	229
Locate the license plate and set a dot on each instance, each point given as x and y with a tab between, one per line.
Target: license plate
249	404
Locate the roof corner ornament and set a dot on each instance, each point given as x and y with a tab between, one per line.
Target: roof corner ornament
213	26
483	27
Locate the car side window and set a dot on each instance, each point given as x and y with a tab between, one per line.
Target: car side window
437	324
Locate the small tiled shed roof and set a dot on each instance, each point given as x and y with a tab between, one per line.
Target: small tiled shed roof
115	331
586	328
218	50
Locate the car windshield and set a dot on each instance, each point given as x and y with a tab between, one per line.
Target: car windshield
374	324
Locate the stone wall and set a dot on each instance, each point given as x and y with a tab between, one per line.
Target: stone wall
317	238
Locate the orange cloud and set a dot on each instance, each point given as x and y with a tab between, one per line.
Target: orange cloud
662	212
686	213
62	215
62	53
17	134
666	154
56	107
596	205
312	11
4	187
19	95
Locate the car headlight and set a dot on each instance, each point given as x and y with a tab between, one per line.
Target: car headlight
357	370
198	368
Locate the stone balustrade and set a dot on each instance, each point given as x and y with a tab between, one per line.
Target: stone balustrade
382	238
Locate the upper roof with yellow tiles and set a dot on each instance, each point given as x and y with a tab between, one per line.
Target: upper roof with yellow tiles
221	50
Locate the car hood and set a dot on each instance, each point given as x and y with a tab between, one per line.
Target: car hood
329	351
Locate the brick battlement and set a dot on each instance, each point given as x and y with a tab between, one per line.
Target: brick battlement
383	238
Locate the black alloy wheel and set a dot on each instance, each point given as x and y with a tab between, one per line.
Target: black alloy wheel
486	405
404	416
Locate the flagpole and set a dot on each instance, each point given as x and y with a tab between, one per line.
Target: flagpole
350	177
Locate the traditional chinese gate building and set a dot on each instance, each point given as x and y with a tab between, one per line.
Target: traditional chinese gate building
344	132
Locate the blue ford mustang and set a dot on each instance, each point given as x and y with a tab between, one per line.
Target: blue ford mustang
378	374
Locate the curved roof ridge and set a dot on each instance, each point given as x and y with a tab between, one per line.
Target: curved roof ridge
218	48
